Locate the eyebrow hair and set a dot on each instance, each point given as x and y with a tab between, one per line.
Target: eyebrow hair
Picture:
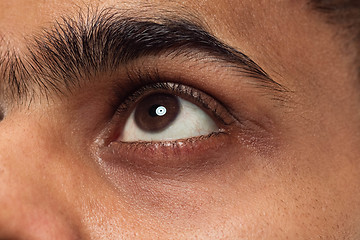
73	50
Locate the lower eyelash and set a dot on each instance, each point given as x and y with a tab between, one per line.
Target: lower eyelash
169	156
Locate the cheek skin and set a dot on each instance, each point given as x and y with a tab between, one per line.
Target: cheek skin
238	201
62	190
53	189
31	208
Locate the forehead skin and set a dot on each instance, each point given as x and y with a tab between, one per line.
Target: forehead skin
309	190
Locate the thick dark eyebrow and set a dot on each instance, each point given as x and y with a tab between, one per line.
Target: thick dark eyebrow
73	50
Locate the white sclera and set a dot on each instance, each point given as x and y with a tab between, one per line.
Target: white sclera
191	121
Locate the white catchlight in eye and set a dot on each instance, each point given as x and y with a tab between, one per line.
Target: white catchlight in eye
161	111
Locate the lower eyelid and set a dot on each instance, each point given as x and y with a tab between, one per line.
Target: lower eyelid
181	158
185	154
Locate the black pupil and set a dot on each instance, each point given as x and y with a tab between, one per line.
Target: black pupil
156	112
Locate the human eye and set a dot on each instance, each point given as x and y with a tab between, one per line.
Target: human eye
169	112
167	122
163	121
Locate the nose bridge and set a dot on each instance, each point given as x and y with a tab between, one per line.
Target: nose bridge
22	218
28	210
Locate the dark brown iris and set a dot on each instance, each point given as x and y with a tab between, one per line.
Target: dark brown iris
155	112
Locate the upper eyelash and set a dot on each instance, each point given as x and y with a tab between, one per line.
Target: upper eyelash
175	88
142	81
179	90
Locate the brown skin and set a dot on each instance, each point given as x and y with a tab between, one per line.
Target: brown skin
301	181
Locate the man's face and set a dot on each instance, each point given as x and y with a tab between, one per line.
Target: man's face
176	120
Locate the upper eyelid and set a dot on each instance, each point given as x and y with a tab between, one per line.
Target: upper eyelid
206	101
63	56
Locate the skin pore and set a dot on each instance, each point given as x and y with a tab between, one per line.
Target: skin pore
282	87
